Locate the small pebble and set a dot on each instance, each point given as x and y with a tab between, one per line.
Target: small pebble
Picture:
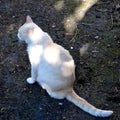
30	92
13	16
106	105
60	103
71	48
24	89
53	26
118	6
95	51
96	37
64	117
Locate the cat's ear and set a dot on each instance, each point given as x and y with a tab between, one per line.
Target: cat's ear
28	19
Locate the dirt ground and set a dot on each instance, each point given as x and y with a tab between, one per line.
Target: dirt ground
97	72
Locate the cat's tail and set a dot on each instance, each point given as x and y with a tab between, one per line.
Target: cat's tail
87	107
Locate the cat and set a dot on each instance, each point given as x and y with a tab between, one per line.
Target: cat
53	67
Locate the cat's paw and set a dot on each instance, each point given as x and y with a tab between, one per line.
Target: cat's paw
30	80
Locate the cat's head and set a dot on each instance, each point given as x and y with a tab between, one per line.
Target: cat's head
29	32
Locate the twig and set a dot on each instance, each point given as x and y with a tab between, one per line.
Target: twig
111	21
73	38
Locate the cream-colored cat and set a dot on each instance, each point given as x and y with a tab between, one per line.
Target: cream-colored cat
53	67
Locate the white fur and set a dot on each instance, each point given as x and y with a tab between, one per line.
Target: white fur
53	67
19	36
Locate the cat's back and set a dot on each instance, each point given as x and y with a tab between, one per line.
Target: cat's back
58	53
57	66
60	59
